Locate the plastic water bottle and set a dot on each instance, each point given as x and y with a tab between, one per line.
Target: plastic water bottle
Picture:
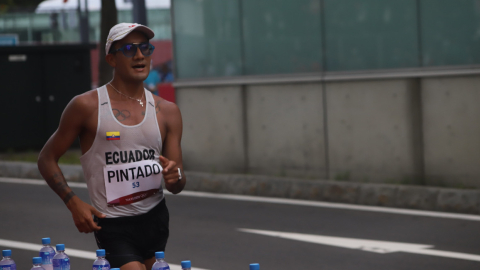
101	263
37	263
7	263
47	259
60	260
254	266
160	264
186	265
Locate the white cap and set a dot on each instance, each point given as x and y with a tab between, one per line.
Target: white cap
121	30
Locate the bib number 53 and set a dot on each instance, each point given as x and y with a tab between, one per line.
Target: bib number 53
135	184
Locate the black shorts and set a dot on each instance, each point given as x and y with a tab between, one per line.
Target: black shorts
135	238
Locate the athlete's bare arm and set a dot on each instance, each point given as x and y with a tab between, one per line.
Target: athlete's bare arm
77	119
170	120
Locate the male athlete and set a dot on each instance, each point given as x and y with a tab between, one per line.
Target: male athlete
125	133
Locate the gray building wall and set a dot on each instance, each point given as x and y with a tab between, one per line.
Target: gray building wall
285	127
373	132
392	130
452	130
368	91
213	134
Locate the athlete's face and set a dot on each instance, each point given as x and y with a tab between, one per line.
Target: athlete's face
134	68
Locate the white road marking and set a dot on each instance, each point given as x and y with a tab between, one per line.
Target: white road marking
282	201
331	205
382	247
69	251
36	182
36	247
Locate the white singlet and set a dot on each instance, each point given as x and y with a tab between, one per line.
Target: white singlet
122	168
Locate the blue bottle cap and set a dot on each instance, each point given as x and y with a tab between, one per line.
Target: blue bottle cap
100	252
37	260
186	264
114	268
159	255
254	266
6	253
60	247
46	240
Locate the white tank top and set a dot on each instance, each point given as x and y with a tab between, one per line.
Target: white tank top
126	144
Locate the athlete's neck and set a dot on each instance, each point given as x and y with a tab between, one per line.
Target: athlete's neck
129	88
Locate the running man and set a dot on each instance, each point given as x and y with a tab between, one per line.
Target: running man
125	134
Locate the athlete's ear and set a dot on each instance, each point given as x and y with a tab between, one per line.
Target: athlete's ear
110	58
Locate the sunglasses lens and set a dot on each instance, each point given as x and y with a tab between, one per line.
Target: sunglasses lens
146	49
129	50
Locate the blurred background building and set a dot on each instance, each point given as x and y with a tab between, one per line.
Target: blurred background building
361	90
352	90
57	22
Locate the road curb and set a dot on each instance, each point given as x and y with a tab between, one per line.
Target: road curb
399	196
16	169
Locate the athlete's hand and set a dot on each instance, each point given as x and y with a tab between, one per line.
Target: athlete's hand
82	215
170	171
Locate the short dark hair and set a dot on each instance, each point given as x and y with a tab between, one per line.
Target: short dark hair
112	47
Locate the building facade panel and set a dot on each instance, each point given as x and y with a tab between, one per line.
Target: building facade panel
452	130
450	32
207	38
371	131
213	139
282	36
371	34
285	127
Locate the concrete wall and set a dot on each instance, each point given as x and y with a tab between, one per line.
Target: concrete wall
373	132
412	131
451	109
213	134
286	130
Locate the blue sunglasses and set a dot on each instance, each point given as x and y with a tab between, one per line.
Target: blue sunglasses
129	50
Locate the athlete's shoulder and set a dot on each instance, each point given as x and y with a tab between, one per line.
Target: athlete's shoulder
85	102
165	106
82	106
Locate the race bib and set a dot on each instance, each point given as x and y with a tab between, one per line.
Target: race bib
132	182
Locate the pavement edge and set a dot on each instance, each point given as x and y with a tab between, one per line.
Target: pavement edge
398	196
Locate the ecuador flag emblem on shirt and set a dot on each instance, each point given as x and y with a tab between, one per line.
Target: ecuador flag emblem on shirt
113	135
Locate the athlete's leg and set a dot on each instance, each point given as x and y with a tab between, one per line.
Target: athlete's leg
121	248
133	266
155	233
149	263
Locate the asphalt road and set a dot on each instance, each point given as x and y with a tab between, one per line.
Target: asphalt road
206	231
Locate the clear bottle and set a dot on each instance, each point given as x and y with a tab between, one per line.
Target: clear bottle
37	263
47	259
7	263
60	260
254	266
160	264
101	263
186	265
